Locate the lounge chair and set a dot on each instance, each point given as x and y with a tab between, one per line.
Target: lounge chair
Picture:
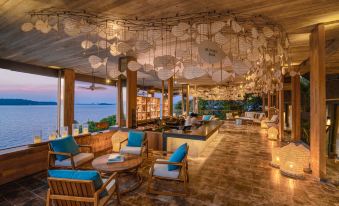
65	153
173	169
136	143
72	187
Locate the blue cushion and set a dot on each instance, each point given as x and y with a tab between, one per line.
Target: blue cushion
80	175
67	145
135	138
177	156
206	117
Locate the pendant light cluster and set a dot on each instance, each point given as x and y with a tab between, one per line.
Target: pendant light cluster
220	46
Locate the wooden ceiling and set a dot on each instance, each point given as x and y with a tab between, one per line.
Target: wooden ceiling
297	18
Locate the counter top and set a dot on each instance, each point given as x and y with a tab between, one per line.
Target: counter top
201	133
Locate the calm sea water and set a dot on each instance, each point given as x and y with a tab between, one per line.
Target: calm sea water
18	124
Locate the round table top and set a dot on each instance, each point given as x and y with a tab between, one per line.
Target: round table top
130	162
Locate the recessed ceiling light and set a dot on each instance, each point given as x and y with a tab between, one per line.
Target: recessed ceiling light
54	67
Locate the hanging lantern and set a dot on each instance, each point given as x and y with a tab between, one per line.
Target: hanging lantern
272	133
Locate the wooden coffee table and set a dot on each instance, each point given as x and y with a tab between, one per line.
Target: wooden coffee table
129	166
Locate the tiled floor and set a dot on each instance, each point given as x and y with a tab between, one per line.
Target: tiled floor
234	170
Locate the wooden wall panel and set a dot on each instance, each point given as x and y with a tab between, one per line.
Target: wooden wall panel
317	101
25	161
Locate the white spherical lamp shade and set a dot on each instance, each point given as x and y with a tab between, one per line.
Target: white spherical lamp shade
272	133
165	74
133	66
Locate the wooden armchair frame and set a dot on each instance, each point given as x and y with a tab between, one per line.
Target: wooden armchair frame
144	144
68	192
52	157
183	177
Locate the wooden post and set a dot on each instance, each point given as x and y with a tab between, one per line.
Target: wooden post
182	100
187	99
162	98
318	102
120	109
281	114
170	96
269	101
131	114
296	108
69	78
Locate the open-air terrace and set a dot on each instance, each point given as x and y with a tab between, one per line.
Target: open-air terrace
169	102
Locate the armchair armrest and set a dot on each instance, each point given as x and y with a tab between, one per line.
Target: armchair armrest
87	146
122	142
60	153
168	163
109	180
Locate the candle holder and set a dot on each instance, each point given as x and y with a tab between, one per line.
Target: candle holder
64	131
85	128
75	129
37	137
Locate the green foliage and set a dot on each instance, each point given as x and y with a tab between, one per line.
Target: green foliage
111	120
178	109
219	108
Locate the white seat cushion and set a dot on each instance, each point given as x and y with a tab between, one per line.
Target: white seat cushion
79	159
131	150
161	170
110	189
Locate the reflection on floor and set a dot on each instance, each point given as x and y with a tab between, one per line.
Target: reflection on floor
234	170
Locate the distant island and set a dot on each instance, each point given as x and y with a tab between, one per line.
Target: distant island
18	102
24	102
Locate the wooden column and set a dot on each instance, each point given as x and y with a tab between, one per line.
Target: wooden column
263	102
296	108
120	109
318	102
281	114
162	97
187	99
170	96
131	93
182	99
69	78
269	101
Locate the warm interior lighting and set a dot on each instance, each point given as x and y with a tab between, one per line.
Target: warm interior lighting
54	67
272	133
108	81
292	159
275	157
263	124
328	121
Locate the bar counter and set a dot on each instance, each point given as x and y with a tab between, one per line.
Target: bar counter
196	138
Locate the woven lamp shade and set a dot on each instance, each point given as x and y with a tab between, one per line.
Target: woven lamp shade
276	157
293	160
272	133
263	124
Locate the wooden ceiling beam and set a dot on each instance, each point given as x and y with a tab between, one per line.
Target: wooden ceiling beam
331	48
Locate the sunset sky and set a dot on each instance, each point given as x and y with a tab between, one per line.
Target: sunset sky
17	85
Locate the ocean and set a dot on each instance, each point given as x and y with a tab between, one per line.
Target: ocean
19	124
